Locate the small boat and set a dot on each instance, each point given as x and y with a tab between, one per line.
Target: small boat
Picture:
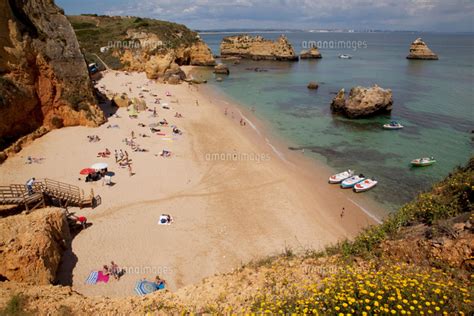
350	182
423	162
339	177
393	125
365	185
345	56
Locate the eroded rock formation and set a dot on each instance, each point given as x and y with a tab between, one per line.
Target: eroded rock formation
257	48
156	61
44	80
312	53
221	69
363	101
419	50
31	246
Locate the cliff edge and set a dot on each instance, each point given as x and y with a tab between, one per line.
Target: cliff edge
44	82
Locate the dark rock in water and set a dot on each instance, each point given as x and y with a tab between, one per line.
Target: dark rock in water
363	102
313	85
221	69
257	69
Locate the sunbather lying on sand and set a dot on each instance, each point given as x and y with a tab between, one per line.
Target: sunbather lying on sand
93	138
30	160
154	130
165	153
177	131
178	115
164	122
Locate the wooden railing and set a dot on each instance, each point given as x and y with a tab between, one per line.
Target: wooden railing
66	194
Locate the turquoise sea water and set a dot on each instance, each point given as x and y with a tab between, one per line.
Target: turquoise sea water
433	99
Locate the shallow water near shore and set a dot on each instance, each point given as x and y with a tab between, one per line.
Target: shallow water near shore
432	99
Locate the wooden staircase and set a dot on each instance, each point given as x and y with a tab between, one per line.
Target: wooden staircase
46	190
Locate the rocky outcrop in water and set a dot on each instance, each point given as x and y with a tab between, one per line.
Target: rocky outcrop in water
312	53
31	246
221	69
419	50
44	81
363	102
313	85
257	48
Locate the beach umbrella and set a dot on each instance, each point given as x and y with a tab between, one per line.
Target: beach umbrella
87	171
99	166
146	287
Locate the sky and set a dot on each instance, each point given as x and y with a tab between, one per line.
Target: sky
417	15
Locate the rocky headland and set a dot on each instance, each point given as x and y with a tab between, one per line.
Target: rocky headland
257	48
156	47
363	102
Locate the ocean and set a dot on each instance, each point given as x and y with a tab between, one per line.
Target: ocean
434	100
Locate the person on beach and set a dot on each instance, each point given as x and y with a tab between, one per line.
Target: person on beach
225	112
342	212
116	156
105	270
197	103
115	270
29	185
161	282
130	173
154	112
133	134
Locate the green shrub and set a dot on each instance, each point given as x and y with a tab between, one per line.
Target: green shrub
15	306
57	122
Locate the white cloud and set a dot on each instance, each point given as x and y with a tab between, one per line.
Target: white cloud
382	14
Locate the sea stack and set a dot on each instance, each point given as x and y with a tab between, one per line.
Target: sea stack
312	53
363	102
419	50
258	48
221	69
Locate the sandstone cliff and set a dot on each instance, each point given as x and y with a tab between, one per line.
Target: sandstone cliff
257	48
136	44
419	50
363	101
31	246
44	80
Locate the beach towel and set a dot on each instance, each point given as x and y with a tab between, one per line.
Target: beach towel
102	277
92	278
97	276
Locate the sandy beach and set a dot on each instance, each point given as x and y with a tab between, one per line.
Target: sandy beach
232	196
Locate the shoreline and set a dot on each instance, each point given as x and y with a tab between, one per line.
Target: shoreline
226	212
280	145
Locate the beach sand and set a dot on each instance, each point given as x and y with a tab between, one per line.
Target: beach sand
228	208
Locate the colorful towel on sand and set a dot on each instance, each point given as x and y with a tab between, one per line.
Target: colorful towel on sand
92	278
102	277
97	276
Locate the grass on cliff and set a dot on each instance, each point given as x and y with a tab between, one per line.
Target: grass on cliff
94	32
15	306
